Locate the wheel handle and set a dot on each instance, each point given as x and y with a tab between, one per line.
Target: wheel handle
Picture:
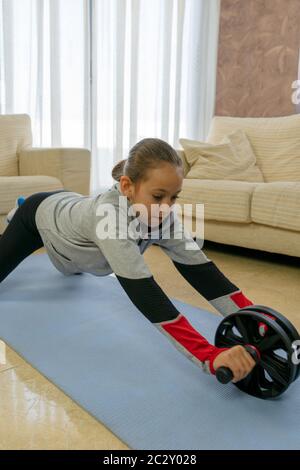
224	374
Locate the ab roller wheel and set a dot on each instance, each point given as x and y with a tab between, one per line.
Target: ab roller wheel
277	364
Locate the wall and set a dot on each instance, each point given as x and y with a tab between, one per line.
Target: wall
258	57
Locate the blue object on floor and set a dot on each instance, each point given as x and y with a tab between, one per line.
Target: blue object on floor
85	335
19	201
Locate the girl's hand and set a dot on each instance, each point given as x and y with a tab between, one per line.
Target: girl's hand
238	360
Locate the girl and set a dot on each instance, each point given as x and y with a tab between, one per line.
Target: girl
69	225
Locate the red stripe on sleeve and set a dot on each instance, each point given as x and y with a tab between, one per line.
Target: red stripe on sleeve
240	300
183	332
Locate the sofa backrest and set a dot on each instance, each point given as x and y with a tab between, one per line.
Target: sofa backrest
15	134
275	141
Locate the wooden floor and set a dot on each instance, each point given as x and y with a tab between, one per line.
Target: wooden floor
34	414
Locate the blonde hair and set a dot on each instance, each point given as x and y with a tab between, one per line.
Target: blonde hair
146	154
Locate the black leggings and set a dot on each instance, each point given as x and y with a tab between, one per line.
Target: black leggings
21	237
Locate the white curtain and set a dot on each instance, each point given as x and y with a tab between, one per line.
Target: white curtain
103	74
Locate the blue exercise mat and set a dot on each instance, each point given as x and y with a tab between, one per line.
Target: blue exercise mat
84	334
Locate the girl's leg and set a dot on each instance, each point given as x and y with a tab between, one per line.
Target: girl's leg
21	237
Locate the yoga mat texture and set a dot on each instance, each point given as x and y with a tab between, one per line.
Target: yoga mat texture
86	336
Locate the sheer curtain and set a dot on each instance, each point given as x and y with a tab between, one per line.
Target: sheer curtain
103	74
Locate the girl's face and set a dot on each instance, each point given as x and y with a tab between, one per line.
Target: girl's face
156	194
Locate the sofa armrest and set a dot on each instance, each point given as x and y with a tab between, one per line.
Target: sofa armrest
186	166
72	166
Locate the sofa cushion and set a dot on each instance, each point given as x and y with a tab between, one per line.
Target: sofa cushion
13	186
15	133
223	200
275	141
232	159
277	205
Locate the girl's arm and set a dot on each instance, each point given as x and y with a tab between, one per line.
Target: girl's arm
128	264
214	286
150	299
201	272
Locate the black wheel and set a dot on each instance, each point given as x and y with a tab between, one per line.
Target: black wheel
285	324
275	370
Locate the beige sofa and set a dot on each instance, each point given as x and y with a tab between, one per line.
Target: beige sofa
25	170
264	215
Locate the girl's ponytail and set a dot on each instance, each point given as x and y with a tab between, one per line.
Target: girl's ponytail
118	170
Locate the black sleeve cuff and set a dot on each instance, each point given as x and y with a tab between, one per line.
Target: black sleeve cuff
149	298
207	279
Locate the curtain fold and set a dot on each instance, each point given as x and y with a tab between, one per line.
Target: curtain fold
7	67
103	74
55	35
133	22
